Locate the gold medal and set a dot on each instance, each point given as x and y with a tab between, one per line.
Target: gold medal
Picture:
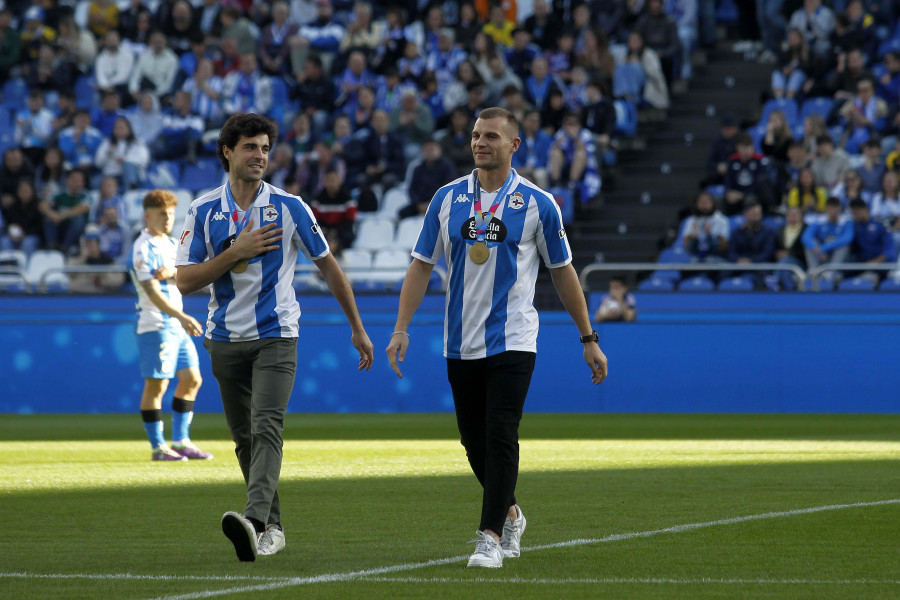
479	253
240	266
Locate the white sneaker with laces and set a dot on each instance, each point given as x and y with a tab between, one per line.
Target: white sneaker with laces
488	553
242	534
271	540
511	539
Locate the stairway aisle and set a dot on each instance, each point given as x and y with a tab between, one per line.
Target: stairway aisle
654	183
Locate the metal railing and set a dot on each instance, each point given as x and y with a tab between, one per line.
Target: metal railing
724	267
816	274
45	281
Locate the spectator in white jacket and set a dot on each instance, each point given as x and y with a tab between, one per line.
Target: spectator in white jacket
123	156
113	66
156	70
247	89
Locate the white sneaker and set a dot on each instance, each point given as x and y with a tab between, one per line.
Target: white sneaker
242	534
487	552
512	535
270	541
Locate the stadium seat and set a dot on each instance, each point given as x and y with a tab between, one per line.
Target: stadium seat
40	263
205	173
673	254
7	124
389	265
280	112
816	106
735	222
85	97
163	174
357	263
656	284
698	283
12	271
786	105
15	93
825	285
773	222
757	132
134	207
890	285
743	283
726	12
393	200
857	284
408	232
374	234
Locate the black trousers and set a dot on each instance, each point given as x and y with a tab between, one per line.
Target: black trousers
489	394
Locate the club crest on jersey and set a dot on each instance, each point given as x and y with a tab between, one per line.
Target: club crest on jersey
219	216
516	201
461	198
270	213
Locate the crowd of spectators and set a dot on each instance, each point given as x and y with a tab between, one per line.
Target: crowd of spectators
815	179
366	96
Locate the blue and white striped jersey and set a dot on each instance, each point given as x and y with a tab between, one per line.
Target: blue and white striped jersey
260	302
149	253
489	307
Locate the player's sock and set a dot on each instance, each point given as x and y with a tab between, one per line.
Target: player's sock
154	426
182	415
257	524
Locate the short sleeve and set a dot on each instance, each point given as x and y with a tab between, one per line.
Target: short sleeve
192	245
552	241
308	236
430	243
144	260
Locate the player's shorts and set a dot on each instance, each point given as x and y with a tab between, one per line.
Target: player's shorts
165	352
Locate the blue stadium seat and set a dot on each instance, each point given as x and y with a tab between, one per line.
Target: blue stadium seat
205	173
15	92
857	284
84	92
743	283
773	222
656	284
279	112
889	45
825	285
163	174
673	254
626	118
816	106
757	132
786	105
798	131
889	285
726	12
698	283
7	121
735	222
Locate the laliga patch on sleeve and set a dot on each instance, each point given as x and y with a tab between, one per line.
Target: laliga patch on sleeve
562	233
315	228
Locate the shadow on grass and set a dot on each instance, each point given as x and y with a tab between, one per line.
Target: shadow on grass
404	426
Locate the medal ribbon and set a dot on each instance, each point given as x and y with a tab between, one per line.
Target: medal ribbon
483	219
239	224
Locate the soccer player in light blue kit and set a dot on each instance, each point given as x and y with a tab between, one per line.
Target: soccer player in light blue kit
244	238
494	228
165	349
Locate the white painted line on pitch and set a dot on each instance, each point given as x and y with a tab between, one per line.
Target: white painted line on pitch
335	577
129	576
700	580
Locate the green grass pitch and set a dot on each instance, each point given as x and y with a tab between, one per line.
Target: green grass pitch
383	506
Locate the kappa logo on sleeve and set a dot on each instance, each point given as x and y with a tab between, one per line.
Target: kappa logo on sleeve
191	211
461	198
219	216
184	234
